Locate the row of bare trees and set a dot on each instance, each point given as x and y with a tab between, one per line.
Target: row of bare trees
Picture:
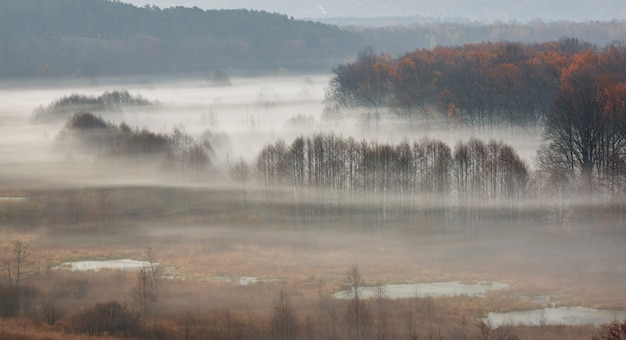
483	170
326	171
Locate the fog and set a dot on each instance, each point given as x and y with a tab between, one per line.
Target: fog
241	118
247	115
205	225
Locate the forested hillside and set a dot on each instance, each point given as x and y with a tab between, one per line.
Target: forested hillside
104	37
92	38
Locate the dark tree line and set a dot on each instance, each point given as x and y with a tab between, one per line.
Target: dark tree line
484	84
102	37
425	34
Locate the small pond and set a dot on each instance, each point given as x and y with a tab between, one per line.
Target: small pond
571	316
124	264
434	289
246	280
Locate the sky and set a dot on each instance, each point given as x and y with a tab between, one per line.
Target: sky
478	10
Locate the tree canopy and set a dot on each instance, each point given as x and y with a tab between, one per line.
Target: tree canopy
482	84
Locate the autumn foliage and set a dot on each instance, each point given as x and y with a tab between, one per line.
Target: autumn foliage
483	84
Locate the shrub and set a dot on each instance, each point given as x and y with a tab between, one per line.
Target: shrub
50	311
109	318
611	331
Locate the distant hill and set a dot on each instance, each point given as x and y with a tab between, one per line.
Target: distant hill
92	38
100	37
487	11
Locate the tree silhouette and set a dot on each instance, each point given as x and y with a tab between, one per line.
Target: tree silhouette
583	131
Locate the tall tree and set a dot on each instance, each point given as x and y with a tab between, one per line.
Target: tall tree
283	320
357	313
576	124
364	83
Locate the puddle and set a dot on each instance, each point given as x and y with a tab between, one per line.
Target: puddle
246	280
124	264
434	289
571	316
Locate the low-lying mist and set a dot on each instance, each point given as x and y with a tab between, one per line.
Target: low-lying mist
80	187
237	120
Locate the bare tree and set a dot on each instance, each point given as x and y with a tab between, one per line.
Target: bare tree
154	269
328	314
241	172
357	313
50	310
381	311
485	327
283	319
19	265
146	290
542	318
584	130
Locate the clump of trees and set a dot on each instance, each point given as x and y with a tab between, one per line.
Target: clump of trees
110	318
570	90
66	106
220	78
485	84
86	133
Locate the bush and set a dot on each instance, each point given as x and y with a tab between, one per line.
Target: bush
611	331
50	311
109	318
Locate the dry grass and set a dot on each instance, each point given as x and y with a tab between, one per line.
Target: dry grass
305	260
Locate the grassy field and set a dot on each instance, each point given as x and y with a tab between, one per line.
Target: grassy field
204	252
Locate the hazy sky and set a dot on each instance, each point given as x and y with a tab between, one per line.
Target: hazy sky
484	10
